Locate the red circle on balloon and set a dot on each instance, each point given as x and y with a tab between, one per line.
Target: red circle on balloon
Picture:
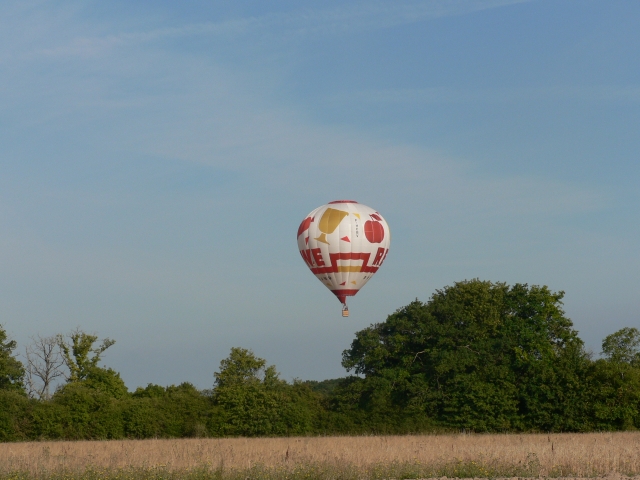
374	231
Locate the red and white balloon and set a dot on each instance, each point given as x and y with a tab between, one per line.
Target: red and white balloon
344	243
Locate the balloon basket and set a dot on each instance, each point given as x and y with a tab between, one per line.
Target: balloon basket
345	311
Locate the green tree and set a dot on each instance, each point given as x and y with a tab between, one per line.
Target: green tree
107	381
11	369
81	357
245	392
623	346
88	413
479	355
614	396
14	415
251	400
614	383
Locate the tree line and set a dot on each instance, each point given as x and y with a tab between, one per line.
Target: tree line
478	355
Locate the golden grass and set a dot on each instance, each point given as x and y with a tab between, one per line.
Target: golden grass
556	455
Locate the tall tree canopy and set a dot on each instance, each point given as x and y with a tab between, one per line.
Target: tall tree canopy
623	346
11	369
252	399
81	357
478	355
614	383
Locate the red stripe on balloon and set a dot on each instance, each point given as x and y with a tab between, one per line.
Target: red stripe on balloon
304	226
343	294
334	257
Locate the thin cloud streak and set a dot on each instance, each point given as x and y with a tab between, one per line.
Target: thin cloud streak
362	17
211	116
446	95
285	149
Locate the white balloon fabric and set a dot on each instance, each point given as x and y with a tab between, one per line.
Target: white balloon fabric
344	244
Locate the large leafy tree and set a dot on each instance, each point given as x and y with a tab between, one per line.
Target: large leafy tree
13	401
623	346
11	369
252	400
246	390
81	356
615	383
478	355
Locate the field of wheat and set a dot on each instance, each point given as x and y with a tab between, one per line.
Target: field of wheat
463	455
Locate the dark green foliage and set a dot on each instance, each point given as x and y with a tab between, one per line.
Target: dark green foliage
81	356
363	406
623	346
613	383
142	418
479	355
251	399
150	391
88	413
186	411
106	381
49	420
11	369
614	394
14	423
324	387
164	412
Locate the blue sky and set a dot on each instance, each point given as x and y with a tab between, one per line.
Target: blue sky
157	158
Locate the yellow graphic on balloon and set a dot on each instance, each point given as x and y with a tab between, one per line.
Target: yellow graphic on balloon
329	221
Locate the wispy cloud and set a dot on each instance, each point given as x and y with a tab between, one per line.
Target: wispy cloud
375	15
198	112
286	150
436	95
91	46
360	16
78	95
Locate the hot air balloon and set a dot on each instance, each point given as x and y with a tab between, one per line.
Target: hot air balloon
344	244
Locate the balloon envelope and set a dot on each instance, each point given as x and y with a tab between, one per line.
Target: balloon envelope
344	244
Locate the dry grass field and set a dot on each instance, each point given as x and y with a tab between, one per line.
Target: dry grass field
531	455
